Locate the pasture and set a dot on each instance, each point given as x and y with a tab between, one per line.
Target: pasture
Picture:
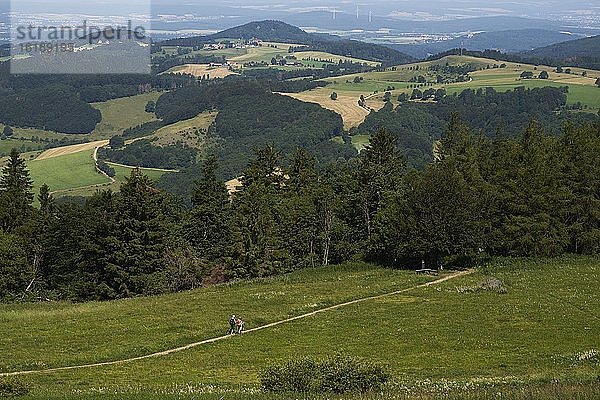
516	328
71	171
22	146
268	51
65	172
123	113
373	85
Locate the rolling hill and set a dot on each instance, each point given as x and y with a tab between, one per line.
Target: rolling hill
583	53
277	31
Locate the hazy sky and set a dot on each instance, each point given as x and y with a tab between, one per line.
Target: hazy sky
409	9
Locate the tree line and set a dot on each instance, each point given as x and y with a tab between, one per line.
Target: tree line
532	194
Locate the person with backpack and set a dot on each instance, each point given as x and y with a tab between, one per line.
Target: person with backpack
232	324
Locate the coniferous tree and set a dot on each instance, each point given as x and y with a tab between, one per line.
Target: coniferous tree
46	200
300	220
379	172
207	225
16	196
257	249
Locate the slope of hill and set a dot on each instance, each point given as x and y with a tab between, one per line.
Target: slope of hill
511	41
482	335
277	31
585	47
583	53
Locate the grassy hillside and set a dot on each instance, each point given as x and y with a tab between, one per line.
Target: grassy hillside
74	173
202	70
66	172
191	132
374	84
123	113
512	328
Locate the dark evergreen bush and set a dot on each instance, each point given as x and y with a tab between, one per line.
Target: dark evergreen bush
336	374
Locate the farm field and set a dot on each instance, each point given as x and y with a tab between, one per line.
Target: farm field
264	53
72	149
307	58
200	70
346	104
534	333
375	84
121	173
312	57
123	113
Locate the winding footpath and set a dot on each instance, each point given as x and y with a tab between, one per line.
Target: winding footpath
217	339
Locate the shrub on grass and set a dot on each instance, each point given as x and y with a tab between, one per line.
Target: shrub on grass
337	374
294	376
10	387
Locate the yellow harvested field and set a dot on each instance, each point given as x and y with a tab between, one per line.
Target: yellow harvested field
320	55
199	70
76	148
346	104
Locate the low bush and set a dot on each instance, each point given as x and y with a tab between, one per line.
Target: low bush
10	387
337	374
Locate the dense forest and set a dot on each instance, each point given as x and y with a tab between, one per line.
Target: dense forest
531	194
142	153
250	116
61	103
56	107
419	124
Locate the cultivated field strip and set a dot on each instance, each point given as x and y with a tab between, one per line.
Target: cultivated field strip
220	338
72	149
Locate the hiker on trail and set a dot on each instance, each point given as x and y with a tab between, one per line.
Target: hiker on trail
232	324
240	326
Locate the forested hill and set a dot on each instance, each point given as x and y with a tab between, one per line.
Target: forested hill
277	31
267	30
581	53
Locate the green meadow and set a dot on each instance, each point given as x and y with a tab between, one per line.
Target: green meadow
66	172
581	89
120	114
516	328
75	175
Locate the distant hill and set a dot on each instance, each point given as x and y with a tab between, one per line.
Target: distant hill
583	53
266	30
277	31
507	41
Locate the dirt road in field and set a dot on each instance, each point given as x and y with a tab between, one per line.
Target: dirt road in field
217	339
76	148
